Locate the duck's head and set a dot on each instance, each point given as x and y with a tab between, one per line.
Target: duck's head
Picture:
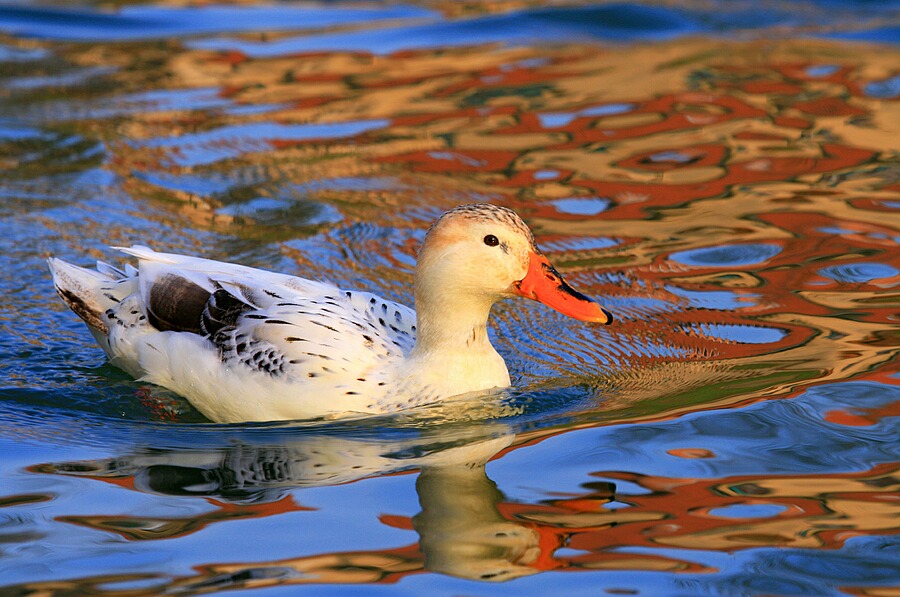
480	253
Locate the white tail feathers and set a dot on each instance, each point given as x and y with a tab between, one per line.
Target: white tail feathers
90	293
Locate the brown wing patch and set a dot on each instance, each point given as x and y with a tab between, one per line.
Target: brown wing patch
176	304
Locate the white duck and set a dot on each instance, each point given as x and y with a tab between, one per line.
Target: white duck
243	344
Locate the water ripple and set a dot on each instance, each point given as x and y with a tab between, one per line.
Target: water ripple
147	22
856	273
227	142
727	255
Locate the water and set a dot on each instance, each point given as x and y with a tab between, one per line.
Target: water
722	176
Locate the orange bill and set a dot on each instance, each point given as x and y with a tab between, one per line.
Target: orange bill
544	284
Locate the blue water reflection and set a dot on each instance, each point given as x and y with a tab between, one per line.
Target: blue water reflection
551	120
743	334
775	437
885	89
620	21
822	70
863	562
581	206
727	255
616	22
72	78
200	185
17	132
859	273
748	511
197	149
13	54
147	22
720	300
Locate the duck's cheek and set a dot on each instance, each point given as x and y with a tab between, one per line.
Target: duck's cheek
513	272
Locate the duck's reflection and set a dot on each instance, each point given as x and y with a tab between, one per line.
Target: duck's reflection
461	532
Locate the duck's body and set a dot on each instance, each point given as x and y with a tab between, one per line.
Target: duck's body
244	344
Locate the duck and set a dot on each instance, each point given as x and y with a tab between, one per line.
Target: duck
243	344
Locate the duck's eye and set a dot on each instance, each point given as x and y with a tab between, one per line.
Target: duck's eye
491	240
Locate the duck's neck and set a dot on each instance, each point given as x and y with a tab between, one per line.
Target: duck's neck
453	354
448	325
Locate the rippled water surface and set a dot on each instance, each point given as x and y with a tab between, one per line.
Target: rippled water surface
723	176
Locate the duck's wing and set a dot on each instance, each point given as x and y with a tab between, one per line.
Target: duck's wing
270	323
174	286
